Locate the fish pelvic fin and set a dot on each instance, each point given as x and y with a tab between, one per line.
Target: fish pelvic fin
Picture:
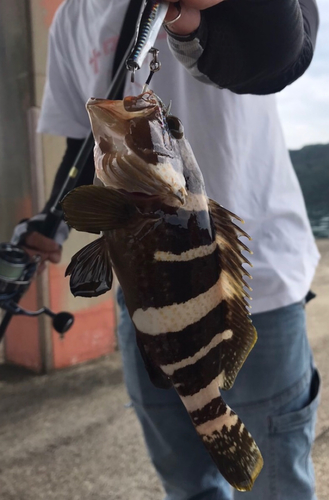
228	442
90	270
93	209
235	350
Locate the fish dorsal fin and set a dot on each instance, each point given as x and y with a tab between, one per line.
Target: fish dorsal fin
90	270
235	350
96	208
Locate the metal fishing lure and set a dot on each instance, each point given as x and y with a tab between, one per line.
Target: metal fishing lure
148	27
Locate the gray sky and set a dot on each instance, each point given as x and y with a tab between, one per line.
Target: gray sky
304	105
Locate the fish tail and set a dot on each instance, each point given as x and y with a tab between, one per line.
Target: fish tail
228	442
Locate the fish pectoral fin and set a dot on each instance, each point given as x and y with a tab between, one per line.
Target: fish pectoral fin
96	208
90	270
234	350
157	377
229	444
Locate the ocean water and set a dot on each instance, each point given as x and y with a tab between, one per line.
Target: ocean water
319	218
320	226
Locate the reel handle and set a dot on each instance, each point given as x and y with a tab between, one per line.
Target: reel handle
16	273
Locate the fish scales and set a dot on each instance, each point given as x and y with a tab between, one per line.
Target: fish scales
178	259
146	271
189	337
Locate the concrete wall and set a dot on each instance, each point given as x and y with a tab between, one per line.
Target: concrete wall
16	187
93	332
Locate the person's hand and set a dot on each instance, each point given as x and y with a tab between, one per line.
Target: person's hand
37	244
190	18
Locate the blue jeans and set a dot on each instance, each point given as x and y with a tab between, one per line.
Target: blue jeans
276	395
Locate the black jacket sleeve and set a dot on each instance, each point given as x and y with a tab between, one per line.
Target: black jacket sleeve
36	223
73	147
252	46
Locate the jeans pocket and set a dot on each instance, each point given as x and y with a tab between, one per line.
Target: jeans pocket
291	435
296	419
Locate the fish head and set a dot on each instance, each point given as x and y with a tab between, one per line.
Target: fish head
136	147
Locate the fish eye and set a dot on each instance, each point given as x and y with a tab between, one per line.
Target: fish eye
175	126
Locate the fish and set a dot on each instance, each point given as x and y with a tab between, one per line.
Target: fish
178	257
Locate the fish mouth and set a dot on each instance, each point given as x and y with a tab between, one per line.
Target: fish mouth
123	109
134	152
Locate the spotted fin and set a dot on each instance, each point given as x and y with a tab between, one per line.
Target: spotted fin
90	270
96	208
235	350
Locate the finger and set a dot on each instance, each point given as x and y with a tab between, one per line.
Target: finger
188	22
33	253
55	257
41	243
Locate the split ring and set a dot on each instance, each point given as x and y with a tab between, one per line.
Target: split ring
179	9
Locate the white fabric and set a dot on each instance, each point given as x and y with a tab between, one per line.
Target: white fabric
237	141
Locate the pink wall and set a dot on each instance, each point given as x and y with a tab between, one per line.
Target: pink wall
49	7
93	332
22	337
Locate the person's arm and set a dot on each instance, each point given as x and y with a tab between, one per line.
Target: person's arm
26	232
250	46
63	113
73	147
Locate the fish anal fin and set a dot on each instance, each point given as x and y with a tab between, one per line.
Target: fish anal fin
234	350
157	377
96	208
90	270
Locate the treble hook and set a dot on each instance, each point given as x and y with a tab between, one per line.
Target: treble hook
155	64
132	78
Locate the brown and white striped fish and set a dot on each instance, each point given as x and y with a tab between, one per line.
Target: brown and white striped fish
178	258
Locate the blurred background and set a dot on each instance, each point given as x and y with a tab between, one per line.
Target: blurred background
304	110
70	434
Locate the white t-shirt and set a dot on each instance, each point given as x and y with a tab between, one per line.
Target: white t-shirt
237	140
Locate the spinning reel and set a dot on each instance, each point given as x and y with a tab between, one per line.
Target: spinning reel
17	269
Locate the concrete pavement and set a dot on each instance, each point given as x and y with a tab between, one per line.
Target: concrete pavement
318	328
71	435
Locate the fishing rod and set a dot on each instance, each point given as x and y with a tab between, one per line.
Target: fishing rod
17	269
